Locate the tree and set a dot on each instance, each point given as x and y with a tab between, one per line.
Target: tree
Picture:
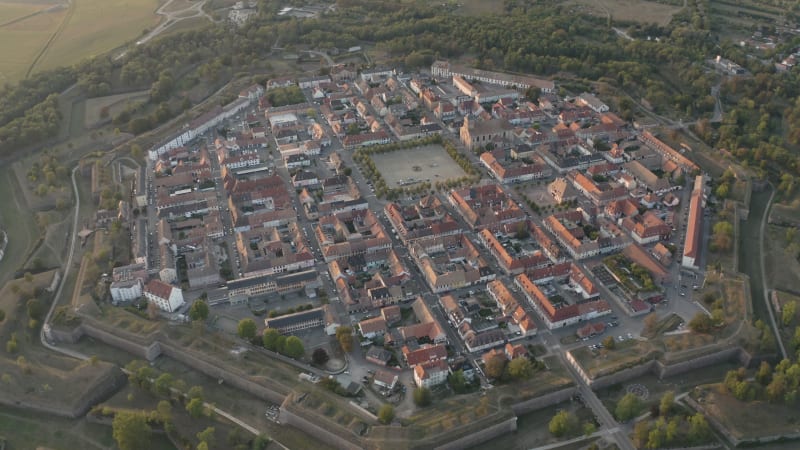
699	431
722	239
520	368
667	401
589	428
136	151
270	339
457	381
656	437
206	435
35	309
319	356
203	445
422	396
641	432
164	410
246	329
609	342
776	389
344	334
386	414
2	315
293	347
723	190
701	323
796	338
764	373
791	233
195	392
788	313
563	423
532	93
195	407
163	384
199	310
260	442
280	343
672	431
495	366
131	431
627	407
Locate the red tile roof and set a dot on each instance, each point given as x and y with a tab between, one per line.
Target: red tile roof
424	354
159	289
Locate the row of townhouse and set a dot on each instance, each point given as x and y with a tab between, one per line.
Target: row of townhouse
201	124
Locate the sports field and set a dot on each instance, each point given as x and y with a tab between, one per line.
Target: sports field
43	34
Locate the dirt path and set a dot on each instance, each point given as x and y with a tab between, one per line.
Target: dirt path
28	16
59	30
170	19
764	286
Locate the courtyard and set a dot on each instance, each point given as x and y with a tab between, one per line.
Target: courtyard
407	167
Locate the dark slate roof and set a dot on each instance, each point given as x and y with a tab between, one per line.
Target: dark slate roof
290	278
299	317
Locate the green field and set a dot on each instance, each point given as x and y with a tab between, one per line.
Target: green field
18	223
27	430
785	213
746	420
626	354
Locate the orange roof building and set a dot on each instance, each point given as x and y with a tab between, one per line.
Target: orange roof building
559	314
426	353
694	227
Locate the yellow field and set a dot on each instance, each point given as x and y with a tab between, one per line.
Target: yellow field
97	26
12	11
88	28
21	41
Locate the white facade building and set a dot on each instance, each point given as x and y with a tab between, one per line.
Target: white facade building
126	291
431	373
167	297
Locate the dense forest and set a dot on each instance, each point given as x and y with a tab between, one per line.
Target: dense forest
664	66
